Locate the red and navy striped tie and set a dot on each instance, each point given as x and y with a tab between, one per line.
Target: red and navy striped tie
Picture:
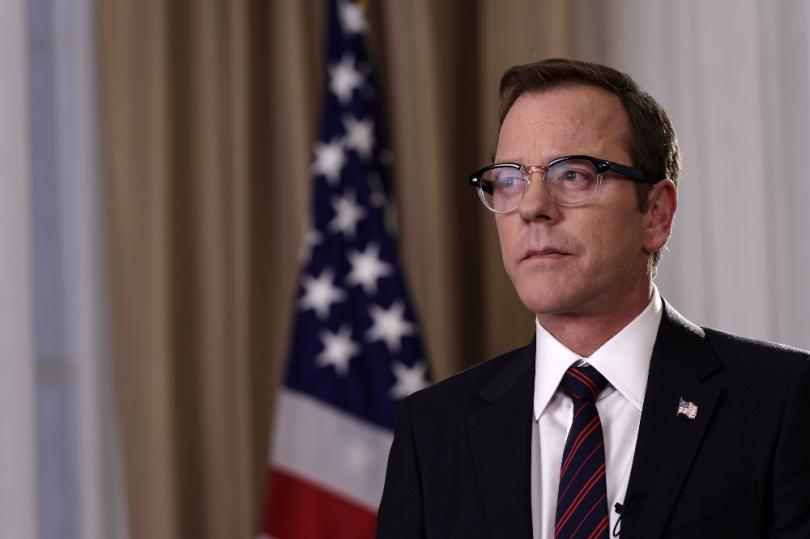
582	508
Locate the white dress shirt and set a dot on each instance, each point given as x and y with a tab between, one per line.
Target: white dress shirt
624	361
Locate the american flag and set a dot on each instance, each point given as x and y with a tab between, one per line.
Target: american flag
687	408
355	349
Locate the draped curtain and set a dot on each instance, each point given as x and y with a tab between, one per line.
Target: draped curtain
176	95
209	112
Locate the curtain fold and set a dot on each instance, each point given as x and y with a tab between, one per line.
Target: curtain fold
176	112
132	39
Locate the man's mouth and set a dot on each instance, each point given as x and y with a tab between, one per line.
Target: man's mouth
544	253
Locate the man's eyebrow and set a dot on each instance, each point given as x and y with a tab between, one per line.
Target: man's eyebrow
507	159
493	161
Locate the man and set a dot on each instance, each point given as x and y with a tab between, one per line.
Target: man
621	417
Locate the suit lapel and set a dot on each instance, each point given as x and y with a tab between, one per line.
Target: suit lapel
500	438
667	442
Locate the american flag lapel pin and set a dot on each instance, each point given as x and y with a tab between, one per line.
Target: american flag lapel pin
687	408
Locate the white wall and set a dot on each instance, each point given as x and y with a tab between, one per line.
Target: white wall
17	449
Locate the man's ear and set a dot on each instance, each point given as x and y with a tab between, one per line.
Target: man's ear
657	221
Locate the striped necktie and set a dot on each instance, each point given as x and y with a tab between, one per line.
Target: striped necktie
582	508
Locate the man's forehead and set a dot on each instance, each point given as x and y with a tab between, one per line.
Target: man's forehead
579	105
569	115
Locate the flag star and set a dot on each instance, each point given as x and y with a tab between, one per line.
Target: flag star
338	349
409	379
359	135
347	214
352	19
389	325
367	268
344	78
311	239
320	293
329	160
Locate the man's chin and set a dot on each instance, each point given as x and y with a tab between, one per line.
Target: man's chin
541	305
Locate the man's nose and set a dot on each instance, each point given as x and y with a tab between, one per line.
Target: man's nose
538	203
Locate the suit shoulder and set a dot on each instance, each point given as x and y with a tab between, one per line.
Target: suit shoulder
734	349
468	383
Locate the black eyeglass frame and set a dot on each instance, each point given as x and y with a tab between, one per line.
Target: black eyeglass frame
602	166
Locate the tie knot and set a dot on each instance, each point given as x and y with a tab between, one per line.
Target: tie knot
583	382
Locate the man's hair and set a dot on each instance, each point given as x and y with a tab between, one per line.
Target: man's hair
653	146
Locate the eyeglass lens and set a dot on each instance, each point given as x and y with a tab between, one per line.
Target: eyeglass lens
569	182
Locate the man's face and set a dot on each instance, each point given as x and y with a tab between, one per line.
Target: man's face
583	260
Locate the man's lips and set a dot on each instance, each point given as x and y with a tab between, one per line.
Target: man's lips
545	252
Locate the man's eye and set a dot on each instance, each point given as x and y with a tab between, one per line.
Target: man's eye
508	182
574	175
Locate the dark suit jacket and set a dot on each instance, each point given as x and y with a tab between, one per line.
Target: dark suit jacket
459	464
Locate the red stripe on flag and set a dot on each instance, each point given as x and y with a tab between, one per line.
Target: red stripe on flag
297	509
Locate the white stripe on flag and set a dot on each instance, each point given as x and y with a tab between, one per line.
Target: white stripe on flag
330	448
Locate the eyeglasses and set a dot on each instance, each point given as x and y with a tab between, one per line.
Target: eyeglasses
571	181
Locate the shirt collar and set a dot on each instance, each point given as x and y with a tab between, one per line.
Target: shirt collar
624	360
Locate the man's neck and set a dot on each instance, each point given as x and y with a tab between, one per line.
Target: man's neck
583	334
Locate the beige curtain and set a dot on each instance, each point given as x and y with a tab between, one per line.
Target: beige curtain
209	112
